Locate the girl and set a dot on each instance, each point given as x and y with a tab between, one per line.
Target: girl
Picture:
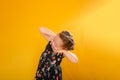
58	47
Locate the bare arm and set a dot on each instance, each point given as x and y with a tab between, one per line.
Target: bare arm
47	33
69	55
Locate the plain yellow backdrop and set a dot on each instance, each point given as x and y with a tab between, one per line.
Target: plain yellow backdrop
95	25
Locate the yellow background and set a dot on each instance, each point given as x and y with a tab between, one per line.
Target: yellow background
95	25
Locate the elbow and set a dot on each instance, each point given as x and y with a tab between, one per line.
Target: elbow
41	29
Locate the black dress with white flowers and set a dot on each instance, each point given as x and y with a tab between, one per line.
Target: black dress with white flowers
49	65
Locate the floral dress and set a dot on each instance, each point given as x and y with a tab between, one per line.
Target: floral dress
49	65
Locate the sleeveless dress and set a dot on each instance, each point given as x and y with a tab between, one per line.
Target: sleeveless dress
49	65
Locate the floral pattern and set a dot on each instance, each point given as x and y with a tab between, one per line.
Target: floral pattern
49	65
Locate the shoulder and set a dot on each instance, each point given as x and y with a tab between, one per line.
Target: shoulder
48	46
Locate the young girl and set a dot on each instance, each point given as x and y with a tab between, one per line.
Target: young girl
58	47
